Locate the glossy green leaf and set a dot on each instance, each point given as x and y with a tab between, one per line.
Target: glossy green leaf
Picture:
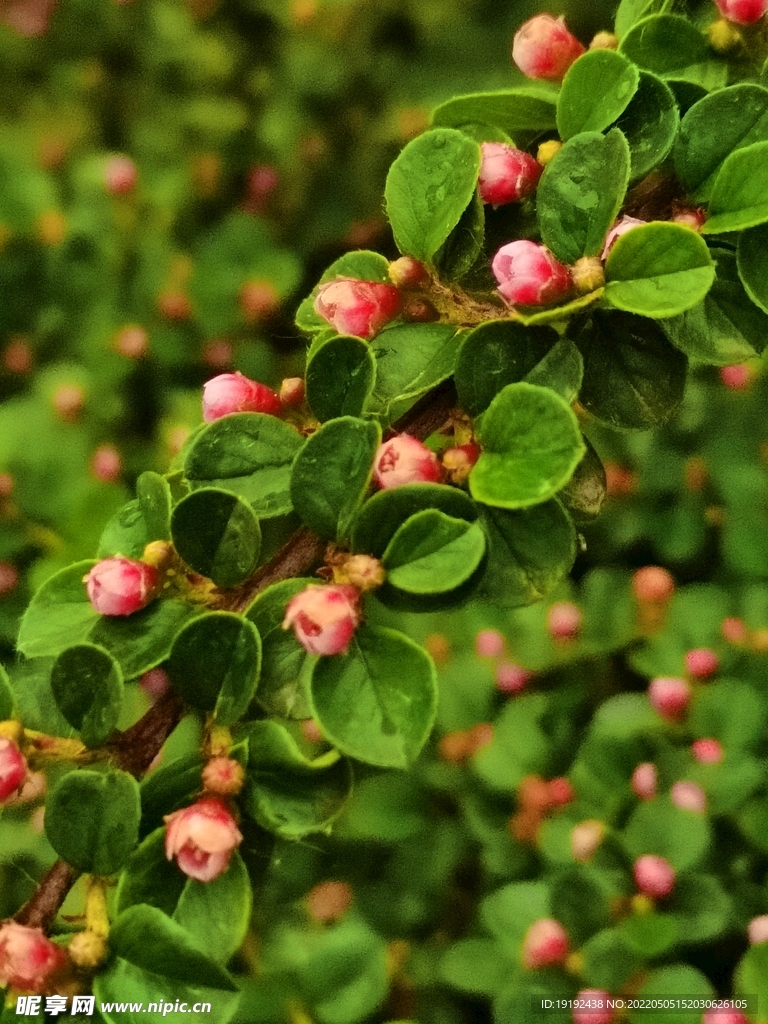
215	663
216	914
631	11
411	359
381	516
524	113
649	935
428	187
92	819
752	261
377	702
740	194
700	907
433	553
650	124
332	472
658	270
7	700
87	684
218	535
123	986
665	44
584	494
596	90
170	785
751	979
531	445
561	370
149	877
609	960
461	249
658	827
340	377
126	533
362	264
580	194
154	496
249	454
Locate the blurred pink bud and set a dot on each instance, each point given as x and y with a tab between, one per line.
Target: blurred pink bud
310	730
507	175
68	402
29	18
586	837
121	586
689	796
654	876
120	175
645	780
223	776
17	356
9	578
202	838
596	1010
218	353
545	943
404	460
329	901
291	391
27	957
262	181
620	227
743	12
13	768
132	342
734	630
736	377
757	930
564	620
359	308
232	392
258	300
529	275
721	1017
489	643
560	792
707	751
544	48
701	662
479	736
511	678
670	696
106	463
653	584
155	683
324	618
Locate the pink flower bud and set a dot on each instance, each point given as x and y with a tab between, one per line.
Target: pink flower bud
507	175
404	460
653	584
407	272
324	618
670	696
27	957
479	736
645	780
545	943
155	683
689	796
560	792
529	275
359	308
106	463
544	48
232	392
17	356
33	787
218	353
68	402
586	837
690	218
511	678
596	1010
120	175
736	377
262	181
329	901
121	586
13	768
310	730
132	342
733	630
743	12
223	776
489	643
707	751
757	930
258	300
654	876
701	662
9	578
291	391
620	227
564	621
202	838
719	1017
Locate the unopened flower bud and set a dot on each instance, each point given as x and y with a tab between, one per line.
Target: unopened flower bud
120	175
737	377
604	41
708	751
88	950
458	461
324	618
218	353
6	485
547	151
724	37
132	342
32	788
545	944
653	584
407	272
743	12
328	901
564	620
757	930
619	228
357	308
106	464
489	643
223	776
202	838
670	697
232	392
480	736
291	391
13	769
592	1005
258	301
174	305
734	630
158	553
690	217
544	48
310	730
587	274
533	793
507	174
155	683
586	837
9	578
455	747
17	356
645	780
701	662
364	572
689	796
68	402
511	678
529	275
404	460
560	792
724	1017
27	957
654	876
121	586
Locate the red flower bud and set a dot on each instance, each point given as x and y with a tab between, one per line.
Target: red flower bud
202	838
595	1009
121	586
459	461
232	392
544	48
620	227
13	769
27	957
106	463
670	696
545	944
223	776
733	630
120	175
564	621
359	308
653	584
645	780
743	12
68	402
701	662
708	751
407	272
560	792
690	217
132	342
324	618
511	678
757	930
737	377
489	643
654	876
689	796
9	578
155	683
404	460
529	275
507	175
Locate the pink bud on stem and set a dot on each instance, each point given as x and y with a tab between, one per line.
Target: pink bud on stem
507	175
670	697
654	876
232	392
545	944
701	663
645	780
544	48
742	12
324	618
358	308
708	751
121	586
404	460
13	769
27	957
529	275
202	838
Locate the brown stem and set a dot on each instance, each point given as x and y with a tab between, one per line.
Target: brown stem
41	909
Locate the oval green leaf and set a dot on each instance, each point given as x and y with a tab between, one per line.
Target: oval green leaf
523	113
218	535
650	124
340	377
154	497
740	194
752	261
432	553
411	359
596	90
665	44
380	517
87	684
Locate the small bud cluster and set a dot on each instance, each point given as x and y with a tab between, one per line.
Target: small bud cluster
536	798
458	746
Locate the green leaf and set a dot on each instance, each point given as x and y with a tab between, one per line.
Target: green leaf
752	260
340	377
658	270
633	377
665	44
218	535
378	702
751	979
657	826
154	496
596	90
88	687
171	785
281	691
461	249
524	113
740	194
715	127
609	960
362	264
381	516
561	370
126	533
700	906
428	187
149	877
123	986
584	493
649	935
669	983
650	124
286	793
331	474
509	912
632	11
216	914
520	745
433	553
215	663
497	353
411	359
249	454
477	966
580	194
726	327
7	700
531	445
92	819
